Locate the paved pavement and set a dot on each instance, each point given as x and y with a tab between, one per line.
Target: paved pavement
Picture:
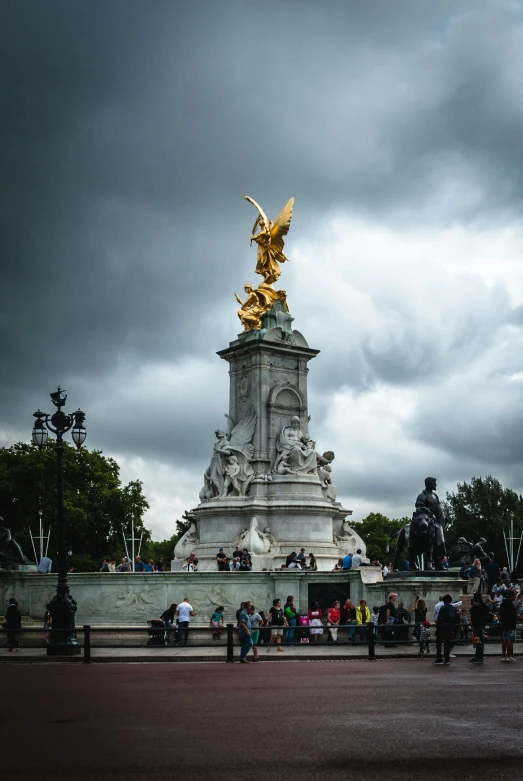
392	720
218	653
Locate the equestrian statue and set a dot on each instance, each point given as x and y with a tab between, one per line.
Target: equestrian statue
425	534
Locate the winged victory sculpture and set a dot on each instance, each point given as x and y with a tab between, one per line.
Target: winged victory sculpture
269	238
230	471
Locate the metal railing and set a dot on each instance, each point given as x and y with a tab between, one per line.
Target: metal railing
371	636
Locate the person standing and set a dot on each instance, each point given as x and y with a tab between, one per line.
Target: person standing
184	611
277	621
508	616
13	621
445	627
256	620
387	618
420	616
124	566
479	617
437	608
362	618
45	566
290	613
333	620
244	623
492	569
402	622
475	576
424	639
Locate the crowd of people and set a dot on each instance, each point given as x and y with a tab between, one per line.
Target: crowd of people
125	565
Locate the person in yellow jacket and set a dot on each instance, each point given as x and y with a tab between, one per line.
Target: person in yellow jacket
362	618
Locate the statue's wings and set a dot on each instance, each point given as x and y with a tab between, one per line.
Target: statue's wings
242	433
281	226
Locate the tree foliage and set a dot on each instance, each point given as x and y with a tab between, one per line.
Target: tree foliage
376	530
97	506
483	508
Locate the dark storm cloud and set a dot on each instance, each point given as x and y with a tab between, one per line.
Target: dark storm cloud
131	131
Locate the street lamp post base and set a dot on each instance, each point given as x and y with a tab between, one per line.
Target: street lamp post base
64	649
62	607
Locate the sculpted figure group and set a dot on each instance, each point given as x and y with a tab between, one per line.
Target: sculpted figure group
230	472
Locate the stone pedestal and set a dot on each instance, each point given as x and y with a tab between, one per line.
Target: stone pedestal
279	513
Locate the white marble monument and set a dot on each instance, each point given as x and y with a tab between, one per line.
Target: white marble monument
267	488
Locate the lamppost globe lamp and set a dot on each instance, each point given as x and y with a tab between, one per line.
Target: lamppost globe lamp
62	606
39	430
79	433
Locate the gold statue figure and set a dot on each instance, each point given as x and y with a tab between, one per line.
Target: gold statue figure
269	239
257	303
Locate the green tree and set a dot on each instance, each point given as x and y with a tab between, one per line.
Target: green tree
96	503
376	530
483	508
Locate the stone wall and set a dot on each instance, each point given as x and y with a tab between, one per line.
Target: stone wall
105	598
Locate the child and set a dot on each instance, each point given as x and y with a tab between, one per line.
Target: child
217	623
464	621
424	639
374	617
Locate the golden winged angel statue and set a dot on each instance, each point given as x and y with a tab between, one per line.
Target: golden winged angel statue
270	241
269	238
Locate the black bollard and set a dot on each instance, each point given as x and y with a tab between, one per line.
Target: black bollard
230	643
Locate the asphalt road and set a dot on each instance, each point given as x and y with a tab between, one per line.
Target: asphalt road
387	720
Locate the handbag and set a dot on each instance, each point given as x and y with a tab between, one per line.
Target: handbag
304	621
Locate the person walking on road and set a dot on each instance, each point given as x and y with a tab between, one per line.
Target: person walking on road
244	622
184	611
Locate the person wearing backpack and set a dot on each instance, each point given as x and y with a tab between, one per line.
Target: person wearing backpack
445	626
291	614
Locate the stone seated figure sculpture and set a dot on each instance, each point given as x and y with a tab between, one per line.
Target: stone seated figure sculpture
295	451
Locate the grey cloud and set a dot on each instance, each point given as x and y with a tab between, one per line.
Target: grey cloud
130	136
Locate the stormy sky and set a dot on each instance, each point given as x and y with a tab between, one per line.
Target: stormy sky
130	132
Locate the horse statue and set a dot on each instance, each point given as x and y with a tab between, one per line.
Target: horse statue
419	537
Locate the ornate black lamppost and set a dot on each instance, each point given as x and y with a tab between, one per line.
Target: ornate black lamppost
62	607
